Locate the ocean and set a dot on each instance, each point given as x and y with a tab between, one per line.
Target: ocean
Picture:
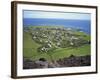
83	25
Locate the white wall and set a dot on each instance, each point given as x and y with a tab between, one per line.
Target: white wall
5	41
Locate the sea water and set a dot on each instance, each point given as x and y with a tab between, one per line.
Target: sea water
83	25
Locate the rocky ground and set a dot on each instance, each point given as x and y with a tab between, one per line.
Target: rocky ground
75	61
72	61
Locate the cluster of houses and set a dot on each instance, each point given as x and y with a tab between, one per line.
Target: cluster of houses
52	38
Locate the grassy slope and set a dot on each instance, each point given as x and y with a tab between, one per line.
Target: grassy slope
30	50
29	45
85	36
63	52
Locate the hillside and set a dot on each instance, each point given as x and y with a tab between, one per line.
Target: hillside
58	43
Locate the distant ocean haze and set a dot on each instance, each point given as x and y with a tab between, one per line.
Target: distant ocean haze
83	25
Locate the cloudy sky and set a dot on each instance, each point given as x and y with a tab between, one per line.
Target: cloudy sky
56	15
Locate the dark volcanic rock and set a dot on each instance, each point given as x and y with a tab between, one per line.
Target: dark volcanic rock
28	64
72	61
75	61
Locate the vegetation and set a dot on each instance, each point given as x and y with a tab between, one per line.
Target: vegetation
54	43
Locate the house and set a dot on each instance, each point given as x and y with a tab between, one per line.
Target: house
34	37
73	37
49	45
58	44
71	43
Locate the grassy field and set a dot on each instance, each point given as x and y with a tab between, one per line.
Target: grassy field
30	49
81	51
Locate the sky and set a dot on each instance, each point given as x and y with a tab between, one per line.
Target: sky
55	15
